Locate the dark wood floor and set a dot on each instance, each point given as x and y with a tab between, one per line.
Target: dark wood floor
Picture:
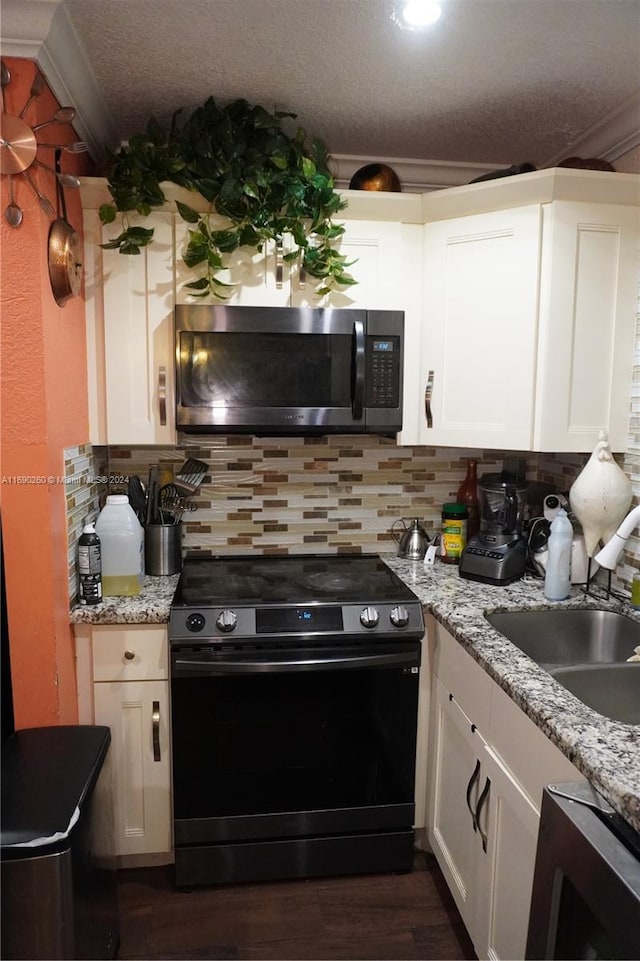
378	916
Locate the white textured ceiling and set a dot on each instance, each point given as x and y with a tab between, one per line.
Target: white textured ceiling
494	81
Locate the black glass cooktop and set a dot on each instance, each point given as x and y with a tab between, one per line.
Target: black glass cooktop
292	579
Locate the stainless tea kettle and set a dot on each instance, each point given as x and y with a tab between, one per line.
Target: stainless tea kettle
413	541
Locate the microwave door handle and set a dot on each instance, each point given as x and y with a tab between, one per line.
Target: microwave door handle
358	360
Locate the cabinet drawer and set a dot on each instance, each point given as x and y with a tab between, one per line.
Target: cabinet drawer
130	653
462	677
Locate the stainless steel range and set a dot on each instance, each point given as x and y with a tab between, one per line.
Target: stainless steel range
294	703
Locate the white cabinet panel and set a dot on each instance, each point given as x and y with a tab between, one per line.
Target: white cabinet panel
126	670
479	328
487	762
528	327
587	325
138	714
138	298
505	890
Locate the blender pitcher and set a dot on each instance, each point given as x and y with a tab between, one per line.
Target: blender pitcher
502	501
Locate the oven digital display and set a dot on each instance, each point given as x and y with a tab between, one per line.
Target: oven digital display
292	620
384	345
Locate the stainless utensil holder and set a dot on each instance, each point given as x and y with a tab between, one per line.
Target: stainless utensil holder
163	549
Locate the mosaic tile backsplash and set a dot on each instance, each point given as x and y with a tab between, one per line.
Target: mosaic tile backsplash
306	495
326	494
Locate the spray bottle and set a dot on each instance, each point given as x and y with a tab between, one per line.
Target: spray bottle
557	581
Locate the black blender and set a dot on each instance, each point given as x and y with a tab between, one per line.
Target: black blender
497	553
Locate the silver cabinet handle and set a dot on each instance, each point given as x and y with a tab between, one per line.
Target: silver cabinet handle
428	391
481	802
302	275
162	395
279	263
358	359
472	781
129	655
155	728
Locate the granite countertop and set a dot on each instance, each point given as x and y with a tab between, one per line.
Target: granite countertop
606	752
150	606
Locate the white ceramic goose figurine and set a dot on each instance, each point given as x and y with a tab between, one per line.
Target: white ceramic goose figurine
600	496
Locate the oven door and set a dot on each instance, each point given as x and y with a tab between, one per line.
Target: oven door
296	744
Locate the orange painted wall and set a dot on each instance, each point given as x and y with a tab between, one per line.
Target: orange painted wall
43	410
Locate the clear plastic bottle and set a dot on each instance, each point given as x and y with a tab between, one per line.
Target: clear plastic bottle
557	580
122	541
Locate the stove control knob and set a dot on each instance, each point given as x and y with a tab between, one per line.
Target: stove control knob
226	621
369	617
195	622
399	616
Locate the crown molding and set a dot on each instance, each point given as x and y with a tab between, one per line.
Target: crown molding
611	138
416	176
40	30
25	26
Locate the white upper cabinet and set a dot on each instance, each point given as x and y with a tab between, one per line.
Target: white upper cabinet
130	303
519	295
588	298
478	347
528	318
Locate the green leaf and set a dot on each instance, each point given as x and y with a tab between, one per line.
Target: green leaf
201	284
107	213
195	254
308	168
187	213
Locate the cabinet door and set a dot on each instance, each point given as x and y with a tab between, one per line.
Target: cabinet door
479	329
587	325
255	278
387	265
507	863
454	792
138	714
138	298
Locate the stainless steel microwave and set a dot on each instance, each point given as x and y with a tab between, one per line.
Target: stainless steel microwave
288	370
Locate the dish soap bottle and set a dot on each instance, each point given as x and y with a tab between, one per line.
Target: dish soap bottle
557	580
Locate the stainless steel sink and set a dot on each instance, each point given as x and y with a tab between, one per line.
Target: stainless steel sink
559	638
610	689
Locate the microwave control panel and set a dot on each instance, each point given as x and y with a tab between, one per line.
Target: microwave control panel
383	371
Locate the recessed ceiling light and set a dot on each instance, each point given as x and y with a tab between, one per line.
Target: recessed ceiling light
421	13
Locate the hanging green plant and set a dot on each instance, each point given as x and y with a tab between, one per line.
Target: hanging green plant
265	183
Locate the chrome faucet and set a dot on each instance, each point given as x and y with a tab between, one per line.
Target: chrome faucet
610	553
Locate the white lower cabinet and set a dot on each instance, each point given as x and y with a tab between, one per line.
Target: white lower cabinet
509	846
487	766
130	695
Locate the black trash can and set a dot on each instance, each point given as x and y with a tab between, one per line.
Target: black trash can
58	870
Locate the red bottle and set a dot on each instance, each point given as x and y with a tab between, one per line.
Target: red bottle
468	495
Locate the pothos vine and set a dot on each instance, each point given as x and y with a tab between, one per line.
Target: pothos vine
266	184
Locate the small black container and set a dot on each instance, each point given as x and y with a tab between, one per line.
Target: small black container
89	566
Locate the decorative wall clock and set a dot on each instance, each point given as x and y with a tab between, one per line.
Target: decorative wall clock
19	147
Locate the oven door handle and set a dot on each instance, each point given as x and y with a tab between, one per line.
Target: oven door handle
261	665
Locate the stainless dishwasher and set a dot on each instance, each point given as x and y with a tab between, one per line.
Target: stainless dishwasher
586	888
